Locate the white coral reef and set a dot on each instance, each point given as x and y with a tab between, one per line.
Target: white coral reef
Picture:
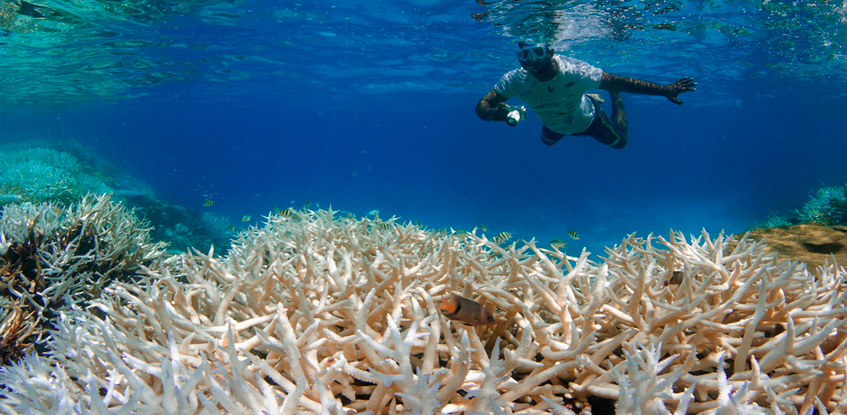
318	312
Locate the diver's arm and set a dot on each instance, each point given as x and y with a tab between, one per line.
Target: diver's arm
492	107
611	82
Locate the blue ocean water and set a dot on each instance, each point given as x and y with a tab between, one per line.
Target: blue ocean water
363	105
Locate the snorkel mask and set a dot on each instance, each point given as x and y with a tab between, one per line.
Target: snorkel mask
531	53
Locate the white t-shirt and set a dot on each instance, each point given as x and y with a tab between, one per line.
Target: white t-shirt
560	103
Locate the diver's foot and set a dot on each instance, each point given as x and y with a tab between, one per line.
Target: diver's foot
596	97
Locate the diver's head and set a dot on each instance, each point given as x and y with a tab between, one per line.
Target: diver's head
536	58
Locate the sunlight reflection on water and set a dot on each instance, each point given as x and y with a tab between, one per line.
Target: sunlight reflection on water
60	52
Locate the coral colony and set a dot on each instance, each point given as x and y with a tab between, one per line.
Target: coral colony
322	313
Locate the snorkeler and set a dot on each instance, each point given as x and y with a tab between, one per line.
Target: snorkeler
555	88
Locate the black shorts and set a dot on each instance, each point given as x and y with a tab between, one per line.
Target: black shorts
601	129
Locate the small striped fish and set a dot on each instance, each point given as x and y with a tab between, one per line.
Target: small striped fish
502	237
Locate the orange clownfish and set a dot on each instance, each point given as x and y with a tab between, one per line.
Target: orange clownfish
466	311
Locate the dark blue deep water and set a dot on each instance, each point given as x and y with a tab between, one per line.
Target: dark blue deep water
365	104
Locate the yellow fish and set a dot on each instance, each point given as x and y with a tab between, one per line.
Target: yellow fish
573	234
460	233
502	237
246	218
208	202
557	243
466	311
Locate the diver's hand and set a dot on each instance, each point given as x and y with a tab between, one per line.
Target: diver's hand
515	115
683	85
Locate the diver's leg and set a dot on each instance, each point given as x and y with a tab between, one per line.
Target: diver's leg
610	131
619	114
550	137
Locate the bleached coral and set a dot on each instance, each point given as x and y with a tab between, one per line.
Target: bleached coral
315	313
643	387
52	257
